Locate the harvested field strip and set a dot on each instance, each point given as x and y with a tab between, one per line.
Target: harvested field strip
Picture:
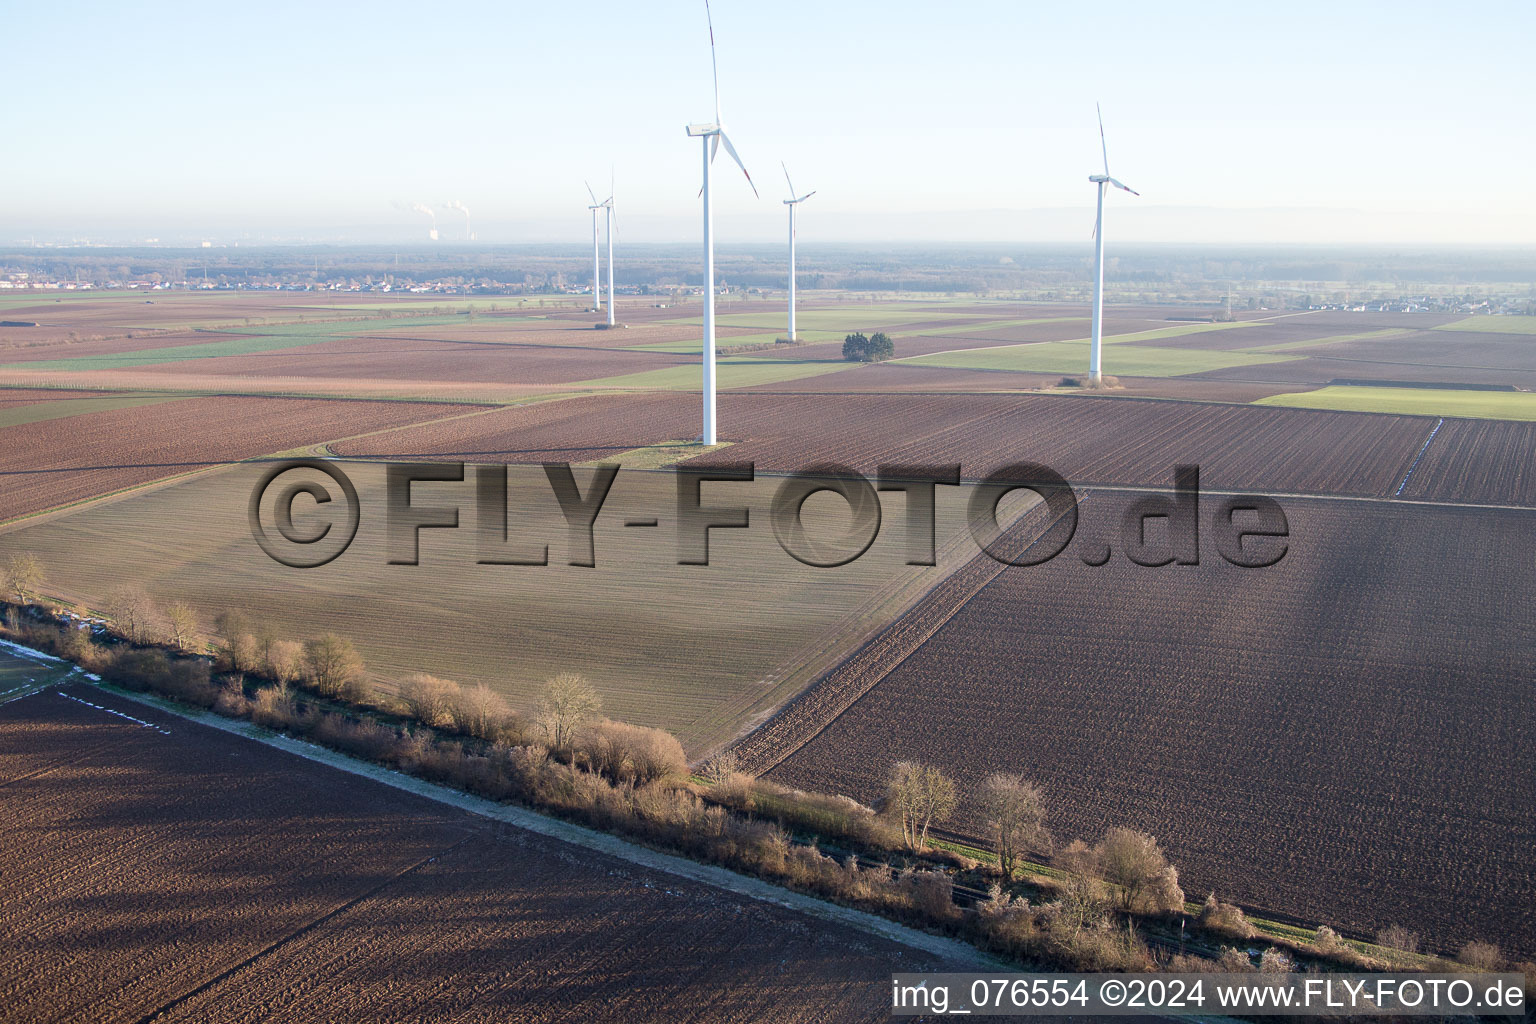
731	372
1493	325
1305	343
992	325
1303	738
1497	405
37	412
1072	357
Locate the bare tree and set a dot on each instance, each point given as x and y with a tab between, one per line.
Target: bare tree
285	661
23	575
335	667
135	613
919	794
242	652
181	620
568	701
1133	861
1014	810
429	699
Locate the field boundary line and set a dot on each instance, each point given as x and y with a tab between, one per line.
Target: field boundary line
578	835
302	930
1415	464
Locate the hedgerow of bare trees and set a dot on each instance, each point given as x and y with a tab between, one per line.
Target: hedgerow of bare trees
918	795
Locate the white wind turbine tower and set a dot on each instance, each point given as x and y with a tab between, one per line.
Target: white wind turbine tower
712	134
607	207
1095	351
792	202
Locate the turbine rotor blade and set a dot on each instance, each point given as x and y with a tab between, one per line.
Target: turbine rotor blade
734	156
806	196
714	65
787	179
590	192
1123	186
714	146
1103	146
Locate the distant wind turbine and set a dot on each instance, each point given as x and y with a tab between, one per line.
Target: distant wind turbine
792	202
712	134
1095	351
606	204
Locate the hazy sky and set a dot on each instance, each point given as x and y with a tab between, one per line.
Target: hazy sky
1253	123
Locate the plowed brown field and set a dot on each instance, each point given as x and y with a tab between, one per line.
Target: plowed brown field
180	871
1343	737
55	462
1088	440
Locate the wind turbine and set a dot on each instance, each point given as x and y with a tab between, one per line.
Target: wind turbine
1095	351
712	134
792	202
607	207
597	302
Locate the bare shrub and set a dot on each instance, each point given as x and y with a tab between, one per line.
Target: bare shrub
1275	962
1224	919
1234	961
932	894
429	700
1484	956
478	711
630	753
1133	861
285	661
1328	941
1395	936
273	708
722	767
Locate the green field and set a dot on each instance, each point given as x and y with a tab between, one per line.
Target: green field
248	340
1072	357
62	408
1487	405
1493	325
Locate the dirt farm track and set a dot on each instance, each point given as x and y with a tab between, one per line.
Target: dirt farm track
166	870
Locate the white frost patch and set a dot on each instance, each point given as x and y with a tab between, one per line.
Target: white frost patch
28	652
119	714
